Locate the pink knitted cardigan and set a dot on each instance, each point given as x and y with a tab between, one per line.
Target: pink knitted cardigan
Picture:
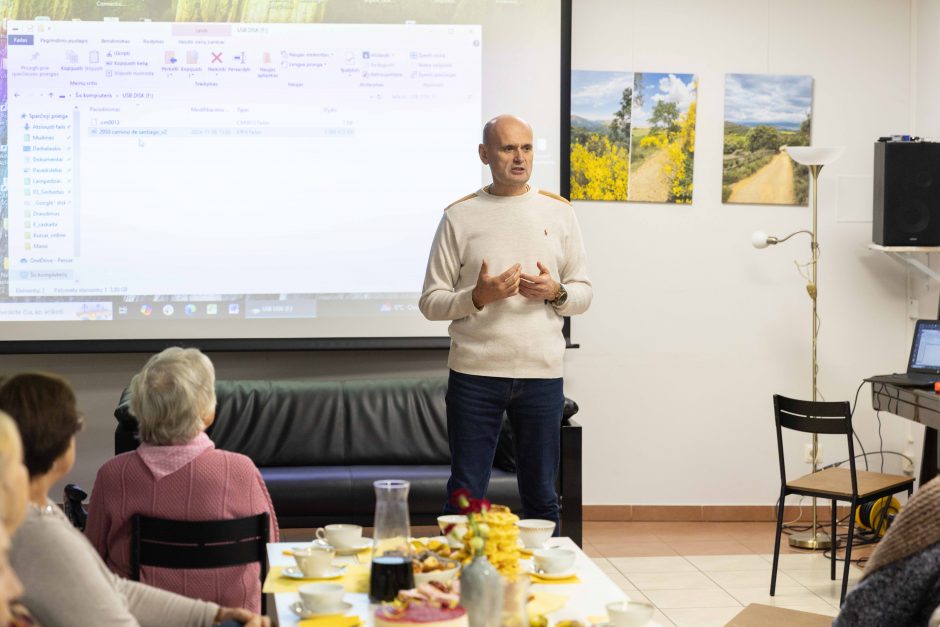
193	481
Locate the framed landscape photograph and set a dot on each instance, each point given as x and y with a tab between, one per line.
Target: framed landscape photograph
662	137
764	113
600	134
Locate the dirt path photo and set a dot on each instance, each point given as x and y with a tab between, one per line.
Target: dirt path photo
772	184
648	182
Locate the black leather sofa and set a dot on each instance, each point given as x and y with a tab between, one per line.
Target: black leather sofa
320	445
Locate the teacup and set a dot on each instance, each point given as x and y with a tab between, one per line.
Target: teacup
314	561
319	597
552	561
535	532
341	536
629	613
459	521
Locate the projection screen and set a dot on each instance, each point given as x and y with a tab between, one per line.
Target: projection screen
267	173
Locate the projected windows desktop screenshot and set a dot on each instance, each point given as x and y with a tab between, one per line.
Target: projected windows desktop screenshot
204	159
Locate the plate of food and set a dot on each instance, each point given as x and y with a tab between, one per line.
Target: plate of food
430	566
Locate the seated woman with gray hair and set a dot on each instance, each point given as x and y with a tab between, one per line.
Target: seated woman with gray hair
177	473
65	581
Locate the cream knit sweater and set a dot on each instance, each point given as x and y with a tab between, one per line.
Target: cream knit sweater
516	337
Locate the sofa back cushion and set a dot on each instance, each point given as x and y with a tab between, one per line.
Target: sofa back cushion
333	423
396	421
282	423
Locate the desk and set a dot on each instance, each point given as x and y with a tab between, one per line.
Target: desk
915	404
587	598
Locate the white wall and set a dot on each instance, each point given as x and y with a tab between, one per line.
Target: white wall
927	53
691	330
926	113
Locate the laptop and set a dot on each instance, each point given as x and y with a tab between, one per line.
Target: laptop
923	366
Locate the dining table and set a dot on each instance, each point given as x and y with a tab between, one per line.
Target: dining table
583	596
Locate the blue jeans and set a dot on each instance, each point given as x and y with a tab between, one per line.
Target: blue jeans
475	406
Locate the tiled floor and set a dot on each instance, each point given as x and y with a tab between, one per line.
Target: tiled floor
705	573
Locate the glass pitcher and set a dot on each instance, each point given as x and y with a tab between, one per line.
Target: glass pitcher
391	547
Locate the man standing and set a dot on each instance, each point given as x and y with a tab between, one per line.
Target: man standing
507	263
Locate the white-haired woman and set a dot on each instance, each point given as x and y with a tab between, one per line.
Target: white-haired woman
177	473
65	581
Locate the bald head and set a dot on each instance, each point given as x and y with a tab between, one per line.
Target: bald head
491	127
507	149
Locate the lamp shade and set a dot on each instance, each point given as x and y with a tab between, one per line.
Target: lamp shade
760	240
815	155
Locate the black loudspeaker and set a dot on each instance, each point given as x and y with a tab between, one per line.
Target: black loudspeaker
907	194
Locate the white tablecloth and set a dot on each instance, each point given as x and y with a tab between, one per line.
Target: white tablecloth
586	598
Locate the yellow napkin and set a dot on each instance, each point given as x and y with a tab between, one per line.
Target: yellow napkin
539	579
598	619
355	579
545	603
335	620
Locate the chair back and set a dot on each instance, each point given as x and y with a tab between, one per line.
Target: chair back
813	417
199	544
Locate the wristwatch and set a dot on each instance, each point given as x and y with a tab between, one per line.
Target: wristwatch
561	298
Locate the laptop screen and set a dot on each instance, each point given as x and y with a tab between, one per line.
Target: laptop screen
925	351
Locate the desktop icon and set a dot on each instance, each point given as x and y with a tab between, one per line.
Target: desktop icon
189	309
122	310
212	309
233	308
168	310
146	310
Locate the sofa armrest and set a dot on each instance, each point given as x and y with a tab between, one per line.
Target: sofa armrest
569	477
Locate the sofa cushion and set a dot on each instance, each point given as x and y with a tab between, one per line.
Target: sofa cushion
298	491
329	423
396	421
298	423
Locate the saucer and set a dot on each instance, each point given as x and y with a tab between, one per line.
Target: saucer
362	545
293	572
562	575
298	608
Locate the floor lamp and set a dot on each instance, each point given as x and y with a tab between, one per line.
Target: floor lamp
815	158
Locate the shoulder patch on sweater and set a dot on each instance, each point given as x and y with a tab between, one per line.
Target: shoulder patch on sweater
457	202
551	195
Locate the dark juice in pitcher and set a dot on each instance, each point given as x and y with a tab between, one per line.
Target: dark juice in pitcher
390	573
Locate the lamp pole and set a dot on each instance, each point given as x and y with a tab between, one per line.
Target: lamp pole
814	158
813	539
